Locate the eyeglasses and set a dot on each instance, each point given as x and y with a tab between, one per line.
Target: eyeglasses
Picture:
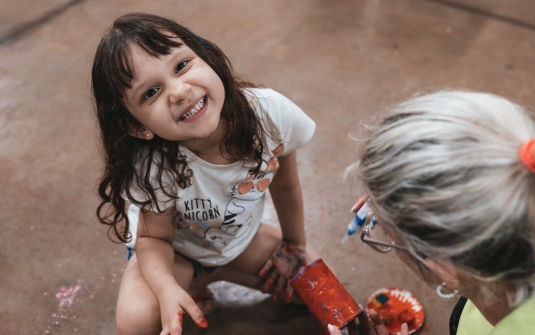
377	238
373	234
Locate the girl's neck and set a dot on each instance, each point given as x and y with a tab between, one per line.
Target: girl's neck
211	149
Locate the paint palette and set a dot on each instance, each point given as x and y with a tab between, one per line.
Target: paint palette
396	306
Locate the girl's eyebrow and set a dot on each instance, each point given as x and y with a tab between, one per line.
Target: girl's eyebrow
136	87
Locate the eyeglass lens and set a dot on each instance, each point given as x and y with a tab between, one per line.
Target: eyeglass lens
376	232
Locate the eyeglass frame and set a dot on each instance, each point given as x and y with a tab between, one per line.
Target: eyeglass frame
372	243
365	237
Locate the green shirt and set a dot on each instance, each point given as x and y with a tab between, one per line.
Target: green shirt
521	321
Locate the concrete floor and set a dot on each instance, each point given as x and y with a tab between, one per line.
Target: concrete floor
340	60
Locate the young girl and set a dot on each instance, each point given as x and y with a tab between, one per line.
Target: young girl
193	149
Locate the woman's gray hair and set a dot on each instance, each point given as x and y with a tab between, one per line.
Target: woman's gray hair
443	170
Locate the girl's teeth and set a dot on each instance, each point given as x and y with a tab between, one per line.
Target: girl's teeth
193	111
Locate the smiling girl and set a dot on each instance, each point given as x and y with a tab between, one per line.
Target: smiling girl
190	151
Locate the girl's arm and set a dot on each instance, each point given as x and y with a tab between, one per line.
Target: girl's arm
287	197
290	256
155	255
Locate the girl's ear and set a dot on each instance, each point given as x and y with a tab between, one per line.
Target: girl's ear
445	271
142	133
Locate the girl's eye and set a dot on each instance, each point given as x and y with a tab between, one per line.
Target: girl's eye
150	93
181	65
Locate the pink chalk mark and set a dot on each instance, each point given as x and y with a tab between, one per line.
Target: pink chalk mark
66	295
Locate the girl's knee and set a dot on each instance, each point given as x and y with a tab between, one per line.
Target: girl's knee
138	318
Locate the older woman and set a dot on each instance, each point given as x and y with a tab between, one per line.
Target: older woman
450	178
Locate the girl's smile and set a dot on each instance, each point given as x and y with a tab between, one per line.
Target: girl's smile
194	113
177	96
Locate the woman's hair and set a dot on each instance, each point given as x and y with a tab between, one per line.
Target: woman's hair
443	171
112	74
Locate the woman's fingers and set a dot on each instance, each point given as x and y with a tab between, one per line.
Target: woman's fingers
371	323
365	323
377	323
360	202
333	330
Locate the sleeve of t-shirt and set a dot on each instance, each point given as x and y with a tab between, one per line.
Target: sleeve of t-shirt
163	201
285	120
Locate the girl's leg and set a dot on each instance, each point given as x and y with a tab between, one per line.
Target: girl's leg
244	269
260	250
138	310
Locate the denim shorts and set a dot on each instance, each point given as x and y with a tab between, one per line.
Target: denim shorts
197	267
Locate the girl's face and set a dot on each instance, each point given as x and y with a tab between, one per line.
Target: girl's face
175	96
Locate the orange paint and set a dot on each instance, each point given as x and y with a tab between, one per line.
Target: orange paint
178	330
400	307
203	324
324	295
287	297
267	285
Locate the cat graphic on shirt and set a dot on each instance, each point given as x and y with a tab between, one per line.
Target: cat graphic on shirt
245	196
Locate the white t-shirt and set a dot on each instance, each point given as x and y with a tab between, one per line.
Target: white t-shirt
220	213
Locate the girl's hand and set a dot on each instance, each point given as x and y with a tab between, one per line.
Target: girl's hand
285	262
371	324
174	306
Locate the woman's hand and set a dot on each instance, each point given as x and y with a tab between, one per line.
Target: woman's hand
174	306
371	324
285	262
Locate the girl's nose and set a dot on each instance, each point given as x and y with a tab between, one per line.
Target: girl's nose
179	91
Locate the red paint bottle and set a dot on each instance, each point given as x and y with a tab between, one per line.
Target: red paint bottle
324	295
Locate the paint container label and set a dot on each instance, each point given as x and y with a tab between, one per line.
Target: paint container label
324	295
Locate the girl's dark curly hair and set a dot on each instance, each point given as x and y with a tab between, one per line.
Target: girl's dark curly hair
112	74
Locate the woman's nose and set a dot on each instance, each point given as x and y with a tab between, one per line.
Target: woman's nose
179	91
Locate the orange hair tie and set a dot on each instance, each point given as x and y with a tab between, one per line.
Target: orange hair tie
527	154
